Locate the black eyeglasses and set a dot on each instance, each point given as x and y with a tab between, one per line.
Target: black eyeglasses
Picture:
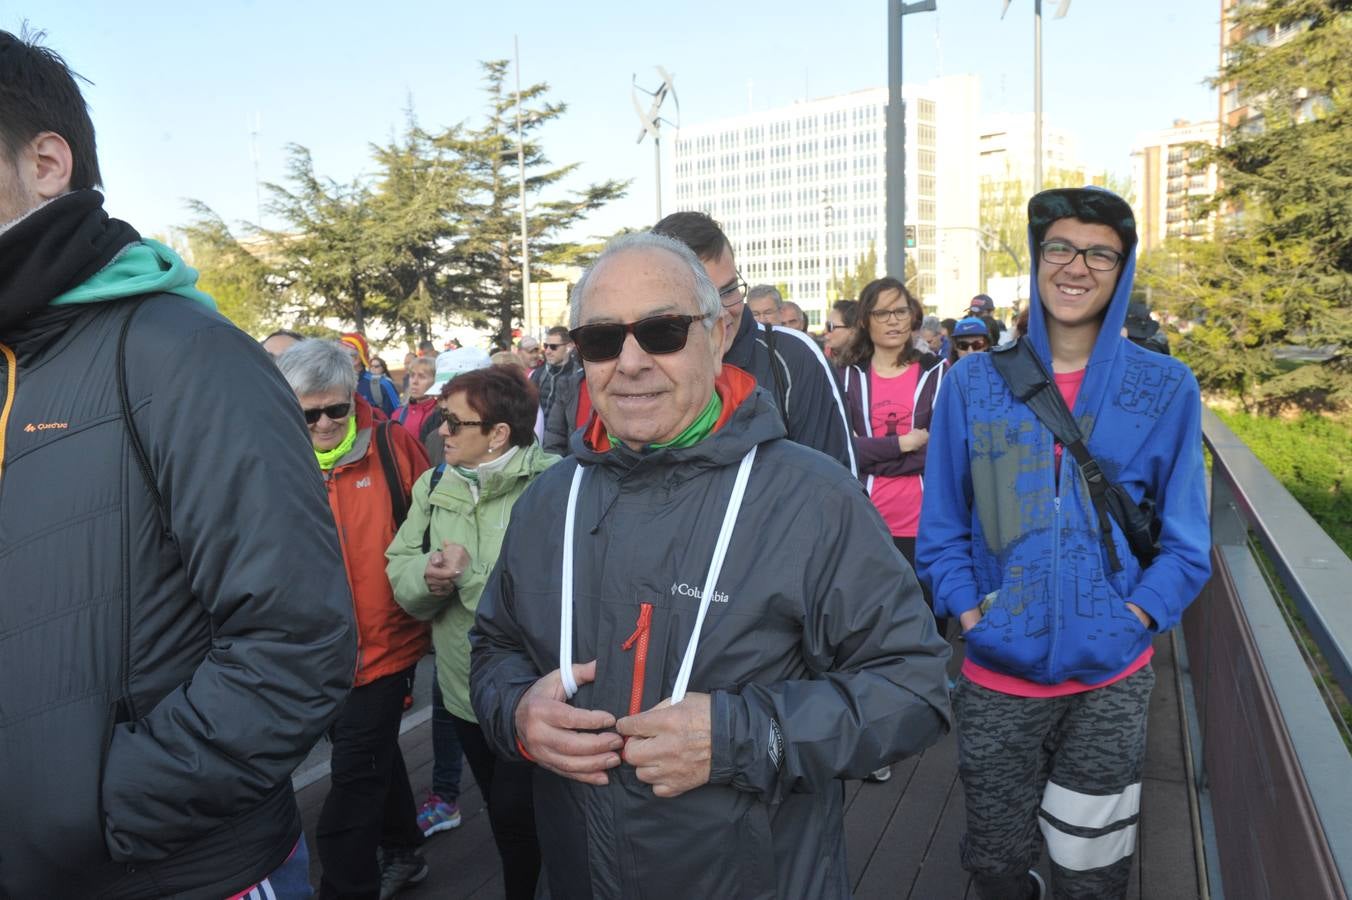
977	344
896	314
1062	253
453	425
737	291
655	334
335	412
832	326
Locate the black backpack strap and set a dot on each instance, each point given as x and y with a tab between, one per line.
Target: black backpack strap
385	450
431	486
137	448
1029	382
781	392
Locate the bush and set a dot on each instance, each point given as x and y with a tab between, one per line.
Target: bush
1312	457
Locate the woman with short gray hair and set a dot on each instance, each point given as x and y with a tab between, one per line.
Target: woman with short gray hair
369	469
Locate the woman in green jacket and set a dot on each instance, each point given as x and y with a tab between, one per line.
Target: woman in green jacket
440	561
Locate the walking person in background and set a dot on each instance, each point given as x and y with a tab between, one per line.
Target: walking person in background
559	364
377	390
840	326
1058	614
369	469
422	373
441	559
970	335
889	387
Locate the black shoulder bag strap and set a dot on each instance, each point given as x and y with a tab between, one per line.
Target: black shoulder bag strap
781	392
1030	384
431	486
385	450
137	448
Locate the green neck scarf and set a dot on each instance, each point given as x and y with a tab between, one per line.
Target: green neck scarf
697	430
329	458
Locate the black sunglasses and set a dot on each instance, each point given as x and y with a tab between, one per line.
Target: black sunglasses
655	334
335	412
553	346
453	425
977	344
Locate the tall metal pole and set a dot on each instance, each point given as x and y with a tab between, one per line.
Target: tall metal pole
1037	96
895	154
521	170
895	138
657	158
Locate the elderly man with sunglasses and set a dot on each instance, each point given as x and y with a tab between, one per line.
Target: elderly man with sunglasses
689	675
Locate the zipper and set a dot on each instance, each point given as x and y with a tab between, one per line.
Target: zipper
11	380
638	642
1055	611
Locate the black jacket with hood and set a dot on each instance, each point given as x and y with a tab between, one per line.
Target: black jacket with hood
788	364
158	688
818	633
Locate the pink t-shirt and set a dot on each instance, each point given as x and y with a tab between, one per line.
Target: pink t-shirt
891	407
1069	386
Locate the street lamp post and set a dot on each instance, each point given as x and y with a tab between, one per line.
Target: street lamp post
895	137
1061	10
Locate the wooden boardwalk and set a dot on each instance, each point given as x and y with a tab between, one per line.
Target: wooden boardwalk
901	836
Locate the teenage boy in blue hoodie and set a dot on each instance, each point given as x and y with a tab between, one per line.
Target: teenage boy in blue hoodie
1052	701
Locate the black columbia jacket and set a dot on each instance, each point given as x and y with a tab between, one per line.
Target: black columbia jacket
156	690
817	634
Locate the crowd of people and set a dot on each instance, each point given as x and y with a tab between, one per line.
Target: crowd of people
682	569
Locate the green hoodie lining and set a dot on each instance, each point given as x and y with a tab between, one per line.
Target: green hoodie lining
148	267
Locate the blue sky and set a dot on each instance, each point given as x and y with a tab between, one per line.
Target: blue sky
177	87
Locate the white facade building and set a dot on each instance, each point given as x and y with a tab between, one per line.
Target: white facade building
1168	181
800	190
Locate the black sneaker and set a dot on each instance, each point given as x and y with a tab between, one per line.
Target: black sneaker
400	869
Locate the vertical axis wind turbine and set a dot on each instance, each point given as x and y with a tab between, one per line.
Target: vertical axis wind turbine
652	121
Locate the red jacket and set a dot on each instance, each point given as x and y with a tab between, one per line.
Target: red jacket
389	640
414	413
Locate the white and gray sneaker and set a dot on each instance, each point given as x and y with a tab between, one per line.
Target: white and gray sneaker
878	776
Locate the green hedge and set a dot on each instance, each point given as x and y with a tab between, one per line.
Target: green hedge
1312	457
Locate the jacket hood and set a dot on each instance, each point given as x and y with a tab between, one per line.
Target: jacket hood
1102	206
145	267
525	464
749	418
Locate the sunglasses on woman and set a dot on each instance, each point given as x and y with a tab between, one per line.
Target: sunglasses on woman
453	425
655	334
335	412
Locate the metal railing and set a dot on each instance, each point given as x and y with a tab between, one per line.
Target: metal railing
1275	770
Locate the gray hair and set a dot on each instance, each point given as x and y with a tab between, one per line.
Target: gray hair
316	367
931	324
766	290
706	295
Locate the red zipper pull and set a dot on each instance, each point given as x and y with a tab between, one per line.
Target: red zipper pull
645	621
639	641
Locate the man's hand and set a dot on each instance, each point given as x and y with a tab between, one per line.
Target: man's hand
1141	614
913	439
444	566
556	736
670	747
969	619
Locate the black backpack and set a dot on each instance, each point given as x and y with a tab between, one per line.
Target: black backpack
1029	382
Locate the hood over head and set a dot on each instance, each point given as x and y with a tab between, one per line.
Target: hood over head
1088	204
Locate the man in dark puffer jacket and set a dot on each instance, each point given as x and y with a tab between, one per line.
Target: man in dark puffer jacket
175	630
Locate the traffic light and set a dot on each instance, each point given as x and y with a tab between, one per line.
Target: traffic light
910	237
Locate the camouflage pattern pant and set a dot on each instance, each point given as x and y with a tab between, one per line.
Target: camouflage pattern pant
1061	770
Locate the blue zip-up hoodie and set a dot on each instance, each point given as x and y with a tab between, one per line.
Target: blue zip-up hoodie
994	522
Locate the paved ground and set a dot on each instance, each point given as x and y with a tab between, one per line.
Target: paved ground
901	836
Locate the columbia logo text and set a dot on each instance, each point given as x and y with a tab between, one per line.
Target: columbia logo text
686	590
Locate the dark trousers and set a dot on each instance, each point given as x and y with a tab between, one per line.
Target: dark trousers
507	791
447	757
370	803
907	547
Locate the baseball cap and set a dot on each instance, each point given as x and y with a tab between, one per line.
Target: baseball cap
451	363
